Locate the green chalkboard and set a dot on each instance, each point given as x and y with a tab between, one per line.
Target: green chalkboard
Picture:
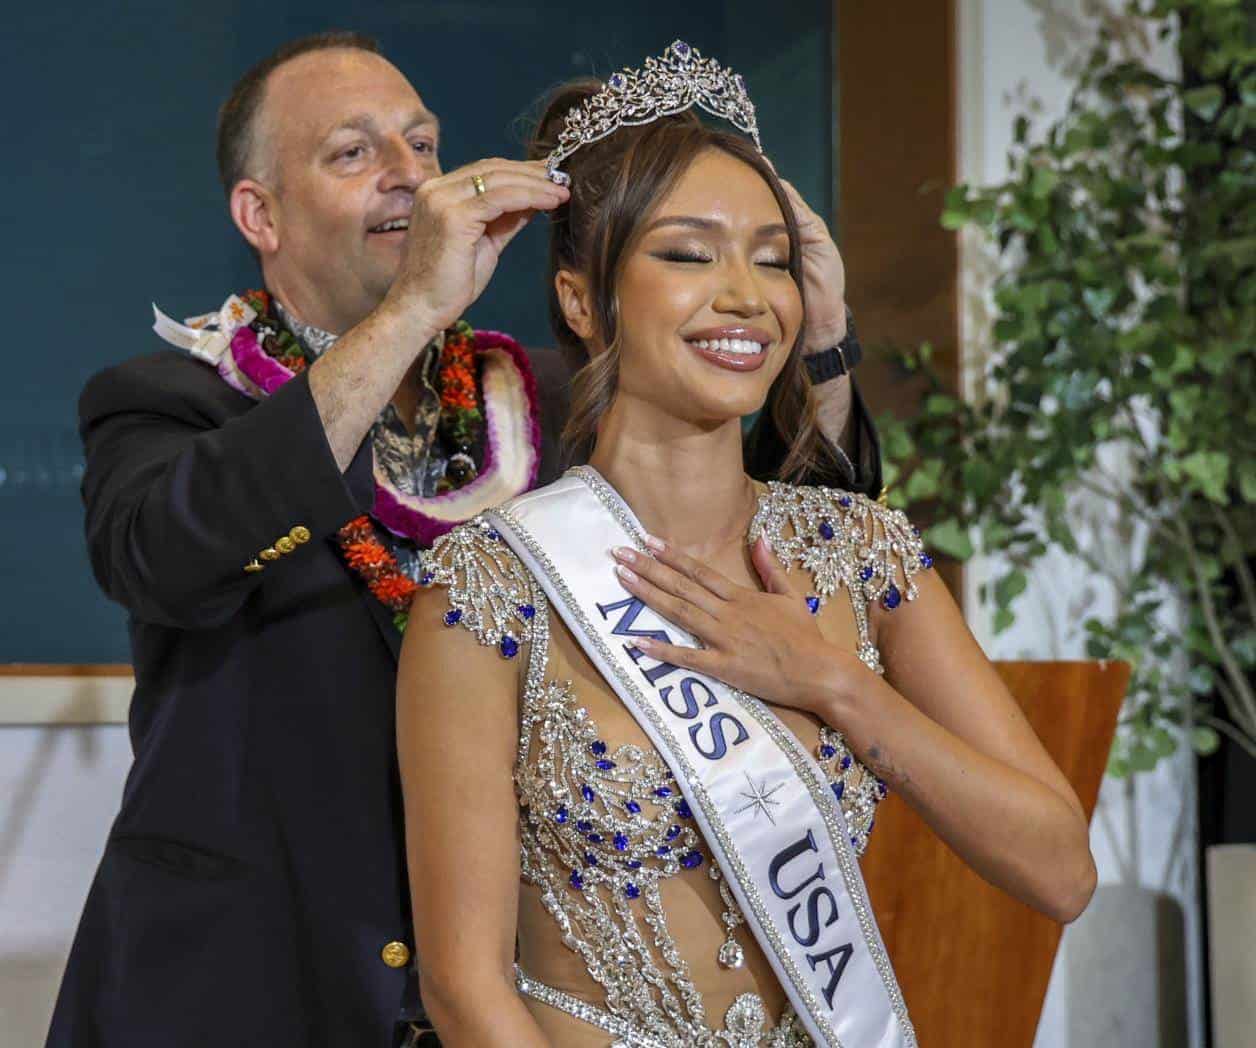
113	202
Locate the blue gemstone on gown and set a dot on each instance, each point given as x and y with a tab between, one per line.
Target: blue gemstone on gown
587	793
826	530
561	814
583	825
673	832
590	859
621	842
631	890
827	751
846	762
605	765
598	747
926	561
576	881
813	604
633	807
509	646
866	572
662	791
594	838
838	789
683	810
527	611
426	579
493	534
452	617
691	860
892	598
633	864
663	849
844	502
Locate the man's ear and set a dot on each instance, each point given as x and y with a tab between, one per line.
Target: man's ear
576	302
256	216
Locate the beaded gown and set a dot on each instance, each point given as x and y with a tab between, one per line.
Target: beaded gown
627	933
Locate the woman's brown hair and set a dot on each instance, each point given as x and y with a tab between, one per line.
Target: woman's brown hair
615	185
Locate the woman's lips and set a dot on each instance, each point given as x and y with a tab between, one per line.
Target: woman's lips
727	359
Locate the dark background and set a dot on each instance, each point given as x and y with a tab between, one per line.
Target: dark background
115	203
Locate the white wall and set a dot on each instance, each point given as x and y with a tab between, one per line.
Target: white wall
60	784
1108	987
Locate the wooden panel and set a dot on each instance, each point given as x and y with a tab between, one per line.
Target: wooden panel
896	160
897	157
973	962
49	669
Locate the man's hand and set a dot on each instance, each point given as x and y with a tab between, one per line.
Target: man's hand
457	234
824	277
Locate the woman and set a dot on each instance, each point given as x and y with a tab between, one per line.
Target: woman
591	794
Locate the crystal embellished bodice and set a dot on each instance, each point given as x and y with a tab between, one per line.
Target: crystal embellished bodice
603	824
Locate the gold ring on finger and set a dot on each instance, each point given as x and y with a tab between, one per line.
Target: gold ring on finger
478	182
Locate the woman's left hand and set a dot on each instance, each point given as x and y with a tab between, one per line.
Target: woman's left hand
765	643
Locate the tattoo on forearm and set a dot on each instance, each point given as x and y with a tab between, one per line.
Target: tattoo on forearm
885	767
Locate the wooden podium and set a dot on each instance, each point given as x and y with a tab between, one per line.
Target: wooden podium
973	963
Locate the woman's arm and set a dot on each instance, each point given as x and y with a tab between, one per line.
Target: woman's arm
940	727
457	731
943	730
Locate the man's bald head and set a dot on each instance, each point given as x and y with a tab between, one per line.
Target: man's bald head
238	118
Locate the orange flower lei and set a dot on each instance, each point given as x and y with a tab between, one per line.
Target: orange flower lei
460	419
371	559
459	405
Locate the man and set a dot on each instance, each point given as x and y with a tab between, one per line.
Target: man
252	890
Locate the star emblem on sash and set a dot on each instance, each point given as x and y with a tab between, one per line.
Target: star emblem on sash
760	798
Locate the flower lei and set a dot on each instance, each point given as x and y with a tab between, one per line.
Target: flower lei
460	421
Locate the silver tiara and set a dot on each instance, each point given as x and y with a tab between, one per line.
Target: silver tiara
675	81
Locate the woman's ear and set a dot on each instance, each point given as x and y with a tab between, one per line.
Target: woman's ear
576	302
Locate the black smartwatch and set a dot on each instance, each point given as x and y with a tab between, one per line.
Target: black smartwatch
837	360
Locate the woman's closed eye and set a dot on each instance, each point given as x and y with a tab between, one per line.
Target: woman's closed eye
679	255
676	255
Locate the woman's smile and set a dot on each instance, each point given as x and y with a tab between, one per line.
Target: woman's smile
734	347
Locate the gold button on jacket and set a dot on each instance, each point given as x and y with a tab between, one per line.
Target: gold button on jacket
300	535
396	954
285	545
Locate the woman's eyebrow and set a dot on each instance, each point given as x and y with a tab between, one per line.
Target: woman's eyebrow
710	225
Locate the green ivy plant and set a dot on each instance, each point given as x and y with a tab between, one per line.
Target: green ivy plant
1121	373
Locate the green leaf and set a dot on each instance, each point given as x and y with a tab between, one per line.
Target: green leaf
1210	470
1009	587
940	404
1247	480
1162	742
1204	101
1204	740
949	538
1043	182
924	481
1142	757
1003	618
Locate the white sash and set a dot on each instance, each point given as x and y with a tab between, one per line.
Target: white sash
787	856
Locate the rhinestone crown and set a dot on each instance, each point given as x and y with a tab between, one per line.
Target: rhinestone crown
677	80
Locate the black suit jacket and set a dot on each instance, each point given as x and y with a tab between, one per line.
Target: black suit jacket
256	868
